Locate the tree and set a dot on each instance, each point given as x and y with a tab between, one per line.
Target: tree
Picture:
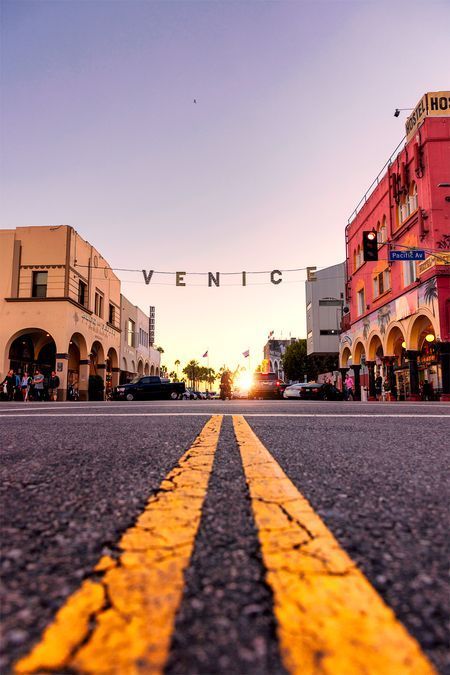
192	372
295	363
177	365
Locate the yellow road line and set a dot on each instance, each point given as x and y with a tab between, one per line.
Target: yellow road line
330	619
122	623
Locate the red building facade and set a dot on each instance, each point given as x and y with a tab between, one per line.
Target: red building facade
397	331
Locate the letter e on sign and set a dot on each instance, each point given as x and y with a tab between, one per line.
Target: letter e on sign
179	279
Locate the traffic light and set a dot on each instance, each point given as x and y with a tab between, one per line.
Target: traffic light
370	246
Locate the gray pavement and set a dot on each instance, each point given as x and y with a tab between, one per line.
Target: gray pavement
77	476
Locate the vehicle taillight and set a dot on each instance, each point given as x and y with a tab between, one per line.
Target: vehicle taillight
278	383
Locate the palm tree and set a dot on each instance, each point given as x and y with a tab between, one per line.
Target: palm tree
191	370
431	293
177	365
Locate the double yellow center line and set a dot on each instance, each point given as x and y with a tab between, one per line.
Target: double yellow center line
329	618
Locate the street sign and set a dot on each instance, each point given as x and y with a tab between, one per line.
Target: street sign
406	255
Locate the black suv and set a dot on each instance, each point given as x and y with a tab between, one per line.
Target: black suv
266	385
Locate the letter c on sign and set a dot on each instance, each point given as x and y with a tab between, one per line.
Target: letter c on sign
179	279
272	277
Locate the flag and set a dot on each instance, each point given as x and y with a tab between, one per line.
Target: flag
246	353
205	355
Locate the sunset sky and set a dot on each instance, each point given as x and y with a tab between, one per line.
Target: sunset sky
293	120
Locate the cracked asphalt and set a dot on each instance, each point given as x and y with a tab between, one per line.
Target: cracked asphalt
76	478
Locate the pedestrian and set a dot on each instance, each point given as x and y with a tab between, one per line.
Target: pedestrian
25	386
53	385
427	391
38	384
349	388
378	387
10	382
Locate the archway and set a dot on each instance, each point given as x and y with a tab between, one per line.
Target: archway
78	366
97	368
112	369
346	357
140	369
30	349
146	368
423	356
152	370
396	348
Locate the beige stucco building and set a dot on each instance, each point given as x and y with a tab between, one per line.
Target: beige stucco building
137	355
59	307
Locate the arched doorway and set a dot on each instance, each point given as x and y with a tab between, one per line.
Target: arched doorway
112	369
31	349
97	369
140	367
152	370
396	349
423	357
146	368
376	370
77	377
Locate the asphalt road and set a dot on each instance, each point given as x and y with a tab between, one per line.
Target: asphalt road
76	476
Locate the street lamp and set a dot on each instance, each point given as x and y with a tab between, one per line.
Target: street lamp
399	110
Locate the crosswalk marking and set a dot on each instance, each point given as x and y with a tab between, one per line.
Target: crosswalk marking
122	623
330	619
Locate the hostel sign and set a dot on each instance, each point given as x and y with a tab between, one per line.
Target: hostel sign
433	104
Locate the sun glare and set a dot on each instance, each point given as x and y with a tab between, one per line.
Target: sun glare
244	381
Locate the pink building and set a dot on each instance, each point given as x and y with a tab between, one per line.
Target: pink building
398	325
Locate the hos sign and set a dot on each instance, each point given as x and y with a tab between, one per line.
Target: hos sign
433	104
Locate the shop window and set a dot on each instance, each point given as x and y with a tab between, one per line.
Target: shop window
360	302
409	272
82	293
130	333
39	288
98	304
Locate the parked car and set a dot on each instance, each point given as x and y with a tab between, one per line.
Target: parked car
189	395
148	387
293	390
320	391
266	385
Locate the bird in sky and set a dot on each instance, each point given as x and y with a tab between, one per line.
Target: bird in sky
195	100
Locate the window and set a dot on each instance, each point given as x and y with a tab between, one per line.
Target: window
39	289
98	306
409	272
82	293
130	333
381	283
412	197
382	233
330	302
112	314
360	300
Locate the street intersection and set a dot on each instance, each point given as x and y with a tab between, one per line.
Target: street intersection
225	537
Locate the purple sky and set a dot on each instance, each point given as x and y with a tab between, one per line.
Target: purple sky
294	118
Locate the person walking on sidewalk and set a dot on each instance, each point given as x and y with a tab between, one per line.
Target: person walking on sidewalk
38	383
53	385
25	386
10	382
349	388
